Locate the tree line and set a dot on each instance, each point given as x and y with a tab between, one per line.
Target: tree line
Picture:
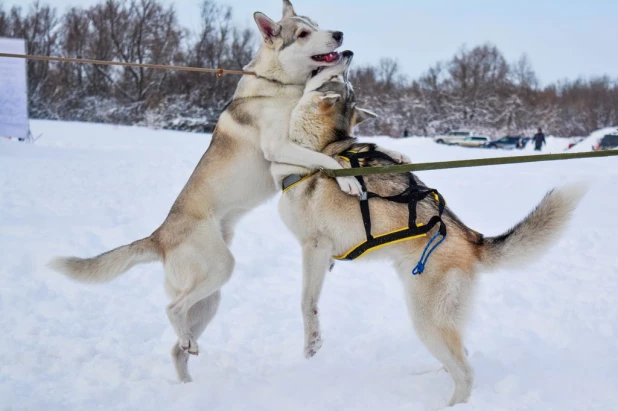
477	89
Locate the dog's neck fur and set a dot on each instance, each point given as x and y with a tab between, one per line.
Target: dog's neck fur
270	81
313	130
267	66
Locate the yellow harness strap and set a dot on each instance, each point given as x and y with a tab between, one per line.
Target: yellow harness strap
413	230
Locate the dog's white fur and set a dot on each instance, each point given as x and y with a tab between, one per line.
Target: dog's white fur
231	178
327	223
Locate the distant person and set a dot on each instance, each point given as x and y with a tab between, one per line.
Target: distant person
406	133
539	140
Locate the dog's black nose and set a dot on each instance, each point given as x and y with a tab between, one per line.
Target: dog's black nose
338	36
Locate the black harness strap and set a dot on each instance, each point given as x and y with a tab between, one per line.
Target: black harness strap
364	200
414	194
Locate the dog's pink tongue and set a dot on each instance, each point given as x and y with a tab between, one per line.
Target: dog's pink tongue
331	57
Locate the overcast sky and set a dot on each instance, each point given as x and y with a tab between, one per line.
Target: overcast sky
563	38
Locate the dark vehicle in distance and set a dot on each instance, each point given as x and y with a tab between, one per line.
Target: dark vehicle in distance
607	142
508	142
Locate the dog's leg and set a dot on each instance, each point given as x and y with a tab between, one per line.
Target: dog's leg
178	309
316	261
228	224
290	153
206	274
181	362
445	343
198	317
437	307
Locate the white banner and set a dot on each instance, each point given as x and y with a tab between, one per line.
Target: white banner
13	90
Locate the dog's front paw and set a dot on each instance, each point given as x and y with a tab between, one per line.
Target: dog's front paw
350	185
313	345
188	344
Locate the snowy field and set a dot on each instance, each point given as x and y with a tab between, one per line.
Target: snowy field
544	338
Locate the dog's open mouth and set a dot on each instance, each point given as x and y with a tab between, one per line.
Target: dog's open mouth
326	58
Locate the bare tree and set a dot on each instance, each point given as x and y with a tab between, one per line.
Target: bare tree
141	31
74	33
217	44
522	74
476	77
388	69
4	22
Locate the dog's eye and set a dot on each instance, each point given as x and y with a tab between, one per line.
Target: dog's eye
303	34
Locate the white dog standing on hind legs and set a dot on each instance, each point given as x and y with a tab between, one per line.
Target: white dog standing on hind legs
328	223
193	241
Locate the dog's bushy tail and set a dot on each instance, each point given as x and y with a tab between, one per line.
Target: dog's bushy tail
533	236
109	265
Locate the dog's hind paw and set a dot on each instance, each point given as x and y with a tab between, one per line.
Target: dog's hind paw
188	344
313	346
186	379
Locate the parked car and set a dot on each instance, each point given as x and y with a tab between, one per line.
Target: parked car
474	141
607	142
508	142
453	137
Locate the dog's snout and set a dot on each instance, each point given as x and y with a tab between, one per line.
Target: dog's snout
338	36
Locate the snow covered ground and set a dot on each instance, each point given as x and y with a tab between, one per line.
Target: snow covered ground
545	338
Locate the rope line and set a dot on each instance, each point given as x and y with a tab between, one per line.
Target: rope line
219	72
441	165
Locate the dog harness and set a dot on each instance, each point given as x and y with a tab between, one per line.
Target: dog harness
411	197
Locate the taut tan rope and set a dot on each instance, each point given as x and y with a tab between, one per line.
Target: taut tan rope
219	72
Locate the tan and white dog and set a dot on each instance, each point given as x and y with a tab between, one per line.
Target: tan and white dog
328	223
232	178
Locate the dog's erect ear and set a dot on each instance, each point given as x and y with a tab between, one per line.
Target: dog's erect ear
268	28
362	115
327	101
288	10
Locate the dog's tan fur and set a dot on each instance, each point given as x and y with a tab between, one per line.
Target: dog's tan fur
327	223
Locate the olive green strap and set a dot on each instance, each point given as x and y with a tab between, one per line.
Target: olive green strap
441	165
